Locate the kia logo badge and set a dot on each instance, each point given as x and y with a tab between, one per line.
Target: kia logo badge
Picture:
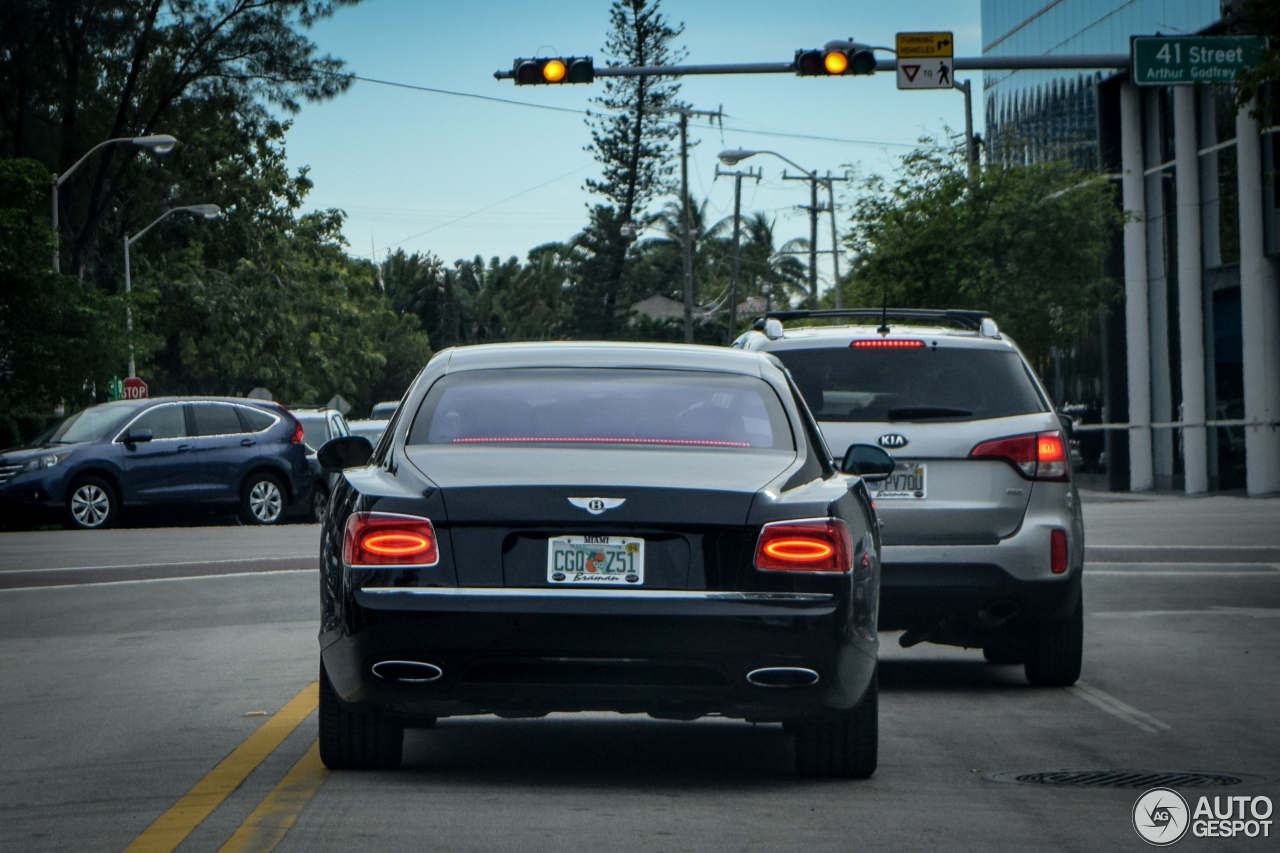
892	439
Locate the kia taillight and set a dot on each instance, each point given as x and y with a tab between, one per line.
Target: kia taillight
380	539
1058	550
1037	456
813	545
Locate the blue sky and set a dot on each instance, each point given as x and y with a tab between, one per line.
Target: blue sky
461	176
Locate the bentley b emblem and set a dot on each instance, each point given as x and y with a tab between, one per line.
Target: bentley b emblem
595	506
892	439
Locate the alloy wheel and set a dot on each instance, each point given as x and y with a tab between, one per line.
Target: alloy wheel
265	501
90	505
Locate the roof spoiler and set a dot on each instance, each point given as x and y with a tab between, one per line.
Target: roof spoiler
974	321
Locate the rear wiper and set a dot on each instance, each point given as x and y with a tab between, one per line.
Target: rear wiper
920	413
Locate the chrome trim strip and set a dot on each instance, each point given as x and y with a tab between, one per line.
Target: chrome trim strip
633	594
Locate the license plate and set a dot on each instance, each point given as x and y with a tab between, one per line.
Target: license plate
595	561
907	482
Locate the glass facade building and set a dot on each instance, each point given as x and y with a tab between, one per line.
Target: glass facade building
1077	116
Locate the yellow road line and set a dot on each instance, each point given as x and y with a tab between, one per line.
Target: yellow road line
264	829
176	824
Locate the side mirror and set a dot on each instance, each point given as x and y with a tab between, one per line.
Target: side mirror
138	437
867	461
348	451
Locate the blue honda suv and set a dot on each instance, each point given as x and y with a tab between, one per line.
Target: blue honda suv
232	452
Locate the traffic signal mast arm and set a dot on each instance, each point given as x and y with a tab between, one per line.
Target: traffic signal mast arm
962	63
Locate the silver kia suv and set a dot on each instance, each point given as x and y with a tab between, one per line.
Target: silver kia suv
982	530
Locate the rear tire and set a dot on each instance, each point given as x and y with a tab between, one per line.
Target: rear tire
356	741
319	503
1055	650
262	499
92	504
845	747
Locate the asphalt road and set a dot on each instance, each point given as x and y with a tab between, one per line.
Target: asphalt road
159	693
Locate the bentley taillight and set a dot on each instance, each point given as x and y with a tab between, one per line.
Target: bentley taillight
1037	456
380	540
812	545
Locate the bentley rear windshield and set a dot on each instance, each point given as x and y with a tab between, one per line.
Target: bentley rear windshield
605	407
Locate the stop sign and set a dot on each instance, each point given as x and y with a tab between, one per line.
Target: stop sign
135	389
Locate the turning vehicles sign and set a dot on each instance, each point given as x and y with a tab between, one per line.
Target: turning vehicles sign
925	60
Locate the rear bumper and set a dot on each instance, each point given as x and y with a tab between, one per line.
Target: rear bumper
968	603
531	652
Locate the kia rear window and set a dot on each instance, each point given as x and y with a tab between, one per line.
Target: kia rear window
912	384
622	408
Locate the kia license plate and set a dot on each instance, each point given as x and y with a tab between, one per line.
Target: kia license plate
595	561
907	482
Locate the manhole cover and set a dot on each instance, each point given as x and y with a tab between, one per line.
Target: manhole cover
1124	778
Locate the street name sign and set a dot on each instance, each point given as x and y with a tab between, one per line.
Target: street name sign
1181	61
925	60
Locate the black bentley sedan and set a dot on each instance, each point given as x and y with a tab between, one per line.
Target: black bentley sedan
641	528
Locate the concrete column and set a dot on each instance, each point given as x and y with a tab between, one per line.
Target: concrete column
1260	318
1136	314
1195	460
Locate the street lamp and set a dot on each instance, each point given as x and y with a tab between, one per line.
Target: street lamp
208	211
732	157
160	143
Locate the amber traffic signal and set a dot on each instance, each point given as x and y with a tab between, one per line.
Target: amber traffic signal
836	59
572	69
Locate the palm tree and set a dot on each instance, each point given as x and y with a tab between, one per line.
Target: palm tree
775	273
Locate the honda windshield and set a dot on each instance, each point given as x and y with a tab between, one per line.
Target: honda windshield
93	423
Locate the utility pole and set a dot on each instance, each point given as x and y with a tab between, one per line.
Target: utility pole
970	144
686	236
835	238
737	239
812	178
814	209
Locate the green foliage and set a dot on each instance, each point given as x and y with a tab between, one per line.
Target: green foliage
478	303
1026	243
274	300
78	73
1259	17
58	340
600	291
633	144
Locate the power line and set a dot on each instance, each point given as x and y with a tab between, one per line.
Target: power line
437	91
483	209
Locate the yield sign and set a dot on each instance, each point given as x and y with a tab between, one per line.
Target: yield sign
911	71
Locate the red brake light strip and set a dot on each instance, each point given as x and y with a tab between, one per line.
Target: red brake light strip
886	344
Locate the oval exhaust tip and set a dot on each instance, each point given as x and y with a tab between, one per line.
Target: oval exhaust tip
783	676
407	671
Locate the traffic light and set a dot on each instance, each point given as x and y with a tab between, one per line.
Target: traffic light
836	59
572	69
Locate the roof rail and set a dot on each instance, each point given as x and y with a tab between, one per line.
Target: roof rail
969	320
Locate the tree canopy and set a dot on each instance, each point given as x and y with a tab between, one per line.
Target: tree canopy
1026	243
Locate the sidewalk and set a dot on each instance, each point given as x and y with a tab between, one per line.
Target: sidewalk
1222	528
